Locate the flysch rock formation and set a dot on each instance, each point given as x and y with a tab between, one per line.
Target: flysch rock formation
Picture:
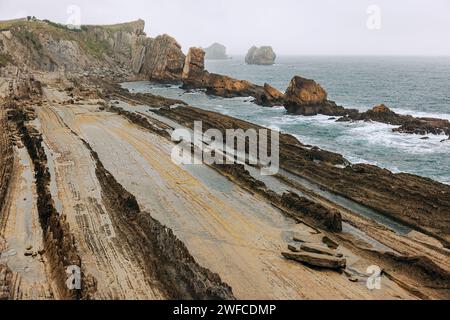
122	50
261	56
216	51
87	180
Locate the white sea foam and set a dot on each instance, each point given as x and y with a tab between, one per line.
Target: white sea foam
381	135
421	114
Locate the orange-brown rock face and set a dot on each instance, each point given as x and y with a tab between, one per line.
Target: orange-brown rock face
194	74
273	94
308	98
163	60
196	77
303	91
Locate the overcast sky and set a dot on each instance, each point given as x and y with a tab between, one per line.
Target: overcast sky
306	27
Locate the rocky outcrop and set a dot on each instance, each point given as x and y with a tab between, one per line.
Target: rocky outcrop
379	189
306	97
196	77
260	56
407	123
6	160
194	74
328	219
216	51
163	60
163	255
111	51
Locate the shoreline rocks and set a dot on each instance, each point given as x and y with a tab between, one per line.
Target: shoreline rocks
306	97
408	124
264	56
196	77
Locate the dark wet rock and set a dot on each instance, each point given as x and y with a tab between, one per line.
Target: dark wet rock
260	56
376	188
407	123
306	97
328	219
162	254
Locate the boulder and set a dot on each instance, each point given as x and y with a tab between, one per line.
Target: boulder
306	97
260	56
317	260
268	96
216	51
312	248
302	91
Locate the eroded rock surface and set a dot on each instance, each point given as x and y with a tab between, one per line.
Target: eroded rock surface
196	77
112	51
306	97
260	56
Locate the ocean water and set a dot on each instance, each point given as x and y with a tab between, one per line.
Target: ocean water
409	85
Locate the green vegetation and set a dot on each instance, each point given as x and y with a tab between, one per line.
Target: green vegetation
62	26
89	37
95	47
5	59
26	37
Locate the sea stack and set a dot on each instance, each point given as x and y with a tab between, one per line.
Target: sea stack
216	51
306	97
194	74
261	56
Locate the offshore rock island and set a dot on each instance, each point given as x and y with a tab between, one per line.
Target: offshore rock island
216	51
87	180
264	56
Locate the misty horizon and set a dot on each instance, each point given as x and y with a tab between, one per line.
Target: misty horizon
292	28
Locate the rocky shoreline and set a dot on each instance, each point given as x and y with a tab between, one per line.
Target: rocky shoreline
302	97
109	199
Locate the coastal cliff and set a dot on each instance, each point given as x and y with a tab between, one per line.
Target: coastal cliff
121	50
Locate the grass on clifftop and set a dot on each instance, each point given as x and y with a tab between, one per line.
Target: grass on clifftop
28	31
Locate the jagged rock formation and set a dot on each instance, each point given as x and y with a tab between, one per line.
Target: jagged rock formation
260	56
162	60
306	97
196	77
216	51
407	123
194	74
106	51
